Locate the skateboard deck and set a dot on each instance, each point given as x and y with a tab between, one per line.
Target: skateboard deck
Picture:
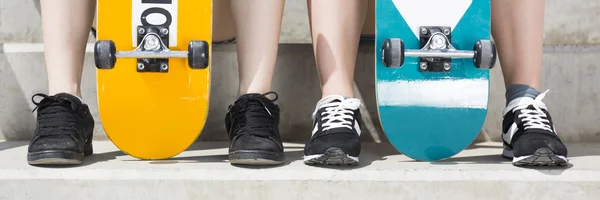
432	74
153	74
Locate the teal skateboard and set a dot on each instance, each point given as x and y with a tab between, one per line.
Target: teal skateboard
432	74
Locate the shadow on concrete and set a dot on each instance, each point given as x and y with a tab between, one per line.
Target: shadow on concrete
375	152
371	153
547	170
91	159
479	145
583	149
200	146
38	6
16	119
102	157
195	148
290	156
9	145
292	153
479	159
497	158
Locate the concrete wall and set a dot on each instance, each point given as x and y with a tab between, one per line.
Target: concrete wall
572	45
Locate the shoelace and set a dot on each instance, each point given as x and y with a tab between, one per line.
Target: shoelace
55	113
338	114
255	118
532	118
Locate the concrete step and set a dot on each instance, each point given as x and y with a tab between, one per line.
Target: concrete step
203	172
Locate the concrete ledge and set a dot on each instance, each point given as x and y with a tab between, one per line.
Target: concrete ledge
203	172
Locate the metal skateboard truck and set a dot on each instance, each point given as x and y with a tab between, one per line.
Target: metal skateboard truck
437	51
152	54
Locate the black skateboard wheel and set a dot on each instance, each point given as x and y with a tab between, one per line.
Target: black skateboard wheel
393	52
485	54
104	54
198	54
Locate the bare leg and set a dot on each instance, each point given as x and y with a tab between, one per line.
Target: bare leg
252	120
64	128
369	23
518	28
258	24
336	26
64	51
528	130
223	26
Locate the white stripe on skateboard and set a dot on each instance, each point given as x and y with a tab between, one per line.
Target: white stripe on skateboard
464	93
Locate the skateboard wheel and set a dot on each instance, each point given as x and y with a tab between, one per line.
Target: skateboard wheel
104	54
198	54
393	52
485	54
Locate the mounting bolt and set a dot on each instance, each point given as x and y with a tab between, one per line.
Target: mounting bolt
164	31
164	66
141	30
447	66
423	65
141	66
446	31
423	31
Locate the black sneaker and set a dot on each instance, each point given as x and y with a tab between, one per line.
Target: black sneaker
64	131
252	125
335	137
529	135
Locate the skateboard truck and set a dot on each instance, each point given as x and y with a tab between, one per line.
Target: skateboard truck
436	51
152	54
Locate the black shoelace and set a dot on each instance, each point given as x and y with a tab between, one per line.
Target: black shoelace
56	113
254	116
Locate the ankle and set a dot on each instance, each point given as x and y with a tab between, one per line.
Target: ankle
72	91
330	95
243	90
520	90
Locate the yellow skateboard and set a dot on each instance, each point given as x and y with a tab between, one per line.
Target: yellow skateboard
153	74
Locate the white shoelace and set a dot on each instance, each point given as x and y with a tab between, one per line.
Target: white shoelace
337	114
532	118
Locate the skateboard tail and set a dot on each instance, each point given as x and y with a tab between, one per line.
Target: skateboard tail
433	113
